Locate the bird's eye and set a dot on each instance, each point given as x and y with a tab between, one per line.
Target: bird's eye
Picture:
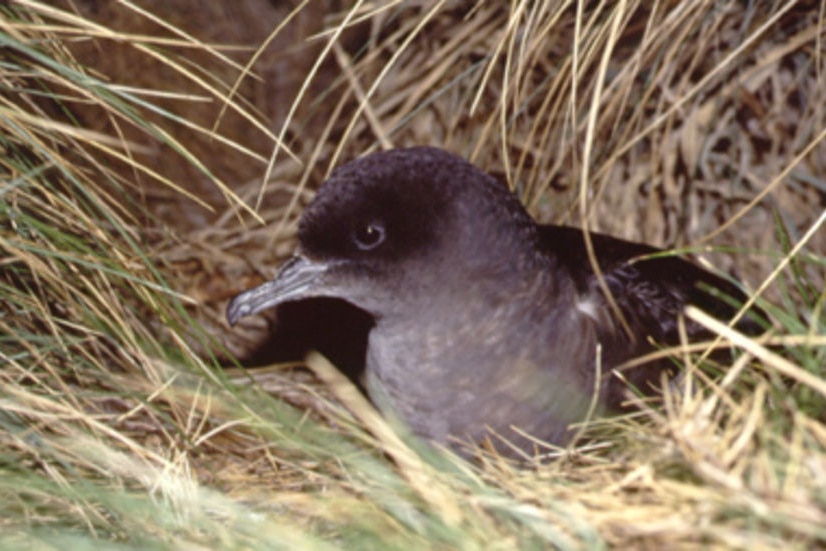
369	236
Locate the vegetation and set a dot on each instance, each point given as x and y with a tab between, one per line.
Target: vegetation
154	159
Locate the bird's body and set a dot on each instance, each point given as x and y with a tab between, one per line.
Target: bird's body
487	325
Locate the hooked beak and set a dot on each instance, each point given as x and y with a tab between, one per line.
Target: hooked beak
299	278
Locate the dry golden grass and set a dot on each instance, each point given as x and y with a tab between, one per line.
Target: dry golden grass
143	144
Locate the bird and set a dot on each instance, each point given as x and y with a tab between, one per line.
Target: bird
487	328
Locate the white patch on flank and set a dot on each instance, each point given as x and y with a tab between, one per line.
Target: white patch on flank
588	306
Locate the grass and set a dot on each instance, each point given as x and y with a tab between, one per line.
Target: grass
133	145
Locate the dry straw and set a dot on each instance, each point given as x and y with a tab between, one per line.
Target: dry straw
134	141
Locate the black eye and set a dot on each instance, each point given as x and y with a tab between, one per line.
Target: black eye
369	236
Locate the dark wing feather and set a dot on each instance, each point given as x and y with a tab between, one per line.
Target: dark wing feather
651	290
650	287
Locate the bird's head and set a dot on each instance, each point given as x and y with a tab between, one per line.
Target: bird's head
414	222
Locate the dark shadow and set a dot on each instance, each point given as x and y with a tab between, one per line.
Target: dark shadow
331	326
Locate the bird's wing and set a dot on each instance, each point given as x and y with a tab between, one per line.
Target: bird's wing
650	287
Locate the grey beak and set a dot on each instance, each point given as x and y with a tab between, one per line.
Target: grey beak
298	279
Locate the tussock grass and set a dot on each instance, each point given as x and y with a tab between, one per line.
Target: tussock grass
133	143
